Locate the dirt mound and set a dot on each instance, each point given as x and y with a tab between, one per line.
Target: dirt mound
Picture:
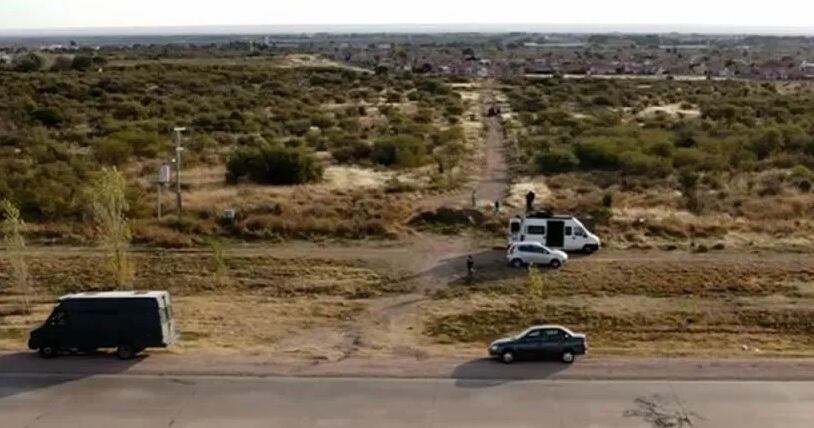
448	217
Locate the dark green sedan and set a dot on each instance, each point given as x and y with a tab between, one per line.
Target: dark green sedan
540	342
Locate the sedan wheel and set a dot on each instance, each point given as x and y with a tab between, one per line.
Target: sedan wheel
555	264
517	263
507	357
567	357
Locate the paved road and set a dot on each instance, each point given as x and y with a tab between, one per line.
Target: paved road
151	401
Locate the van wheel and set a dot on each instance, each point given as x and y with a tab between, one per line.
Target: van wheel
588	249
517	263
125	352
48	352
555	264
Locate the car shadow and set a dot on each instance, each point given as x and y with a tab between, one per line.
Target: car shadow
488	372
22	372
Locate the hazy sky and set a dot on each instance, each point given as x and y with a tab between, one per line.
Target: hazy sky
33	14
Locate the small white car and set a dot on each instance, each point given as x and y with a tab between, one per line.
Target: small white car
524	253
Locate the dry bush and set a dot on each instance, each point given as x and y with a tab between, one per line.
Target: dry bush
160	235
12	228
109	207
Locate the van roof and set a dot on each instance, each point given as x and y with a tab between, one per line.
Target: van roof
552	217
114	295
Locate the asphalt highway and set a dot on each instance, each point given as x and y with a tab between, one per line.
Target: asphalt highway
102	401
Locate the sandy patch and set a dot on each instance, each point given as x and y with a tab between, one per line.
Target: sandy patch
306	60
674	110
351	177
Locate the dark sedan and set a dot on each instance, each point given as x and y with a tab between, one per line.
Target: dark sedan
540	342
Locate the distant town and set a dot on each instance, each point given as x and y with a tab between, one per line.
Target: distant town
481	54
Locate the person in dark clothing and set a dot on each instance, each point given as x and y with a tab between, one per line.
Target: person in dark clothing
470	265
530	200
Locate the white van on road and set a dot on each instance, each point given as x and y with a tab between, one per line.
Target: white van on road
559	232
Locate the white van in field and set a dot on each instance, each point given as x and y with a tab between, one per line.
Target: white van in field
559	232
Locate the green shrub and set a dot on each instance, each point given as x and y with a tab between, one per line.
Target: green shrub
404	151
801	171
638	163
82	62
128	110
556	160
28	62
351	151
111	151
47	116
767	143
270	164
603	152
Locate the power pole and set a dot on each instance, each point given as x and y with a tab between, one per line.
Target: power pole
178	150
163	180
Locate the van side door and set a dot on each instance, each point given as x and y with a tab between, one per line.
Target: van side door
555	236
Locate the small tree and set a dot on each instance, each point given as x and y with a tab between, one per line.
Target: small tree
109	207
12	227
534	284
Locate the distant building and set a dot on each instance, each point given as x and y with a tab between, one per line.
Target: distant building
807	69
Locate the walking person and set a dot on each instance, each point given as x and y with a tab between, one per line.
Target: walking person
470	266
497	206
474	199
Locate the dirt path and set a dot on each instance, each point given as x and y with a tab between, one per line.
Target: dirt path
493	182
394	322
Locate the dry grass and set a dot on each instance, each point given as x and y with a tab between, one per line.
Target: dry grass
265	299
716	306
652	213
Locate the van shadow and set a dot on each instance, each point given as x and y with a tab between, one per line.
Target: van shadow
487	372
22	372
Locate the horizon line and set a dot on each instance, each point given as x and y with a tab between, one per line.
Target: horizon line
406	28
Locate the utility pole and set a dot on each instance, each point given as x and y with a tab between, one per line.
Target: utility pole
178	150
163	180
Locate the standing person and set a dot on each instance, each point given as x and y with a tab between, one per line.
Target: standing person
474	198
497	206
470	265
530	200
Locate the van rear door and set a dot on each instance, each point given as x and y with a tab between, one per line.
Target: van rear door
167	321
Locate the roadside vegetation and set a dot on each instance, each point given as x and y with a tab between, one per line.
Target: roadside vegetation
255	123
222	302
660	162
721	305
